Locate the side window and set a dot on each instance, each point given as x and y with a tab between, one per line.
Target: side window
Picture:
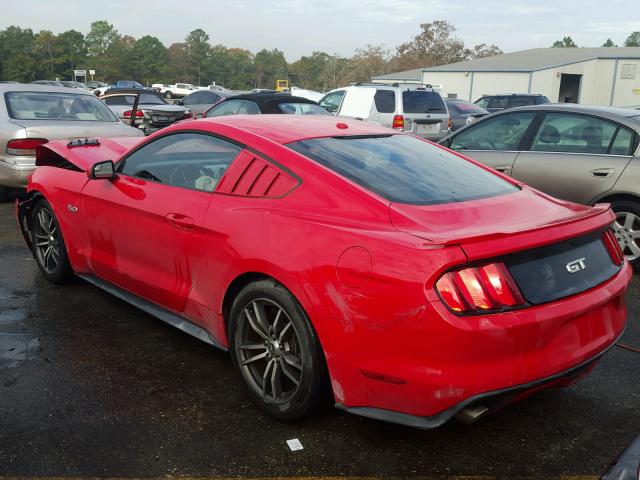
521	101
187	160
503	132
193	99
623	143
483	102
565	132
332	101
385	101
210	97
233	107
499	102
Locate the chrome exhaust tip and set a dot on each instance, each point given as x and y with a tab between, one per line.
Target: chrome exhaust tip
469	415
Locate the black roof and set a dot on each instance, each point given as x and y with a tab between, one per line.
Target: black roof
268	102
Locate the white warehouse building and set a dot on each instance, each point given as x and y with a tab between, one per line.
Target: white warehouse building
595	76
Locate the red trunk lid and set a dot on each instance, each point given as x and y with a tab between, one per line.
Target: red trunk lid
499	225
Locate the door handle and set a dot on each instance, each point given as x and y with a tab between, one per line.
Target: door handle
180	220
602	172
502	168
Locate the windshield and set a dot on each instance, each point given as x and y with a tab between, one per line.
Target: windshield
404	169
145	99
302	109
57	106
422	101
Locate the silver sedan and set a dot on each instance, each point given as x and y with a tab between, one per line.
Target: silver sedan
31	115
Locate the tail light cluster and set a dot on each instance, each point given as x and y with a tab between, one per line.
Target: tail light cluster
479	289
612	246
398	122
139	114
25	146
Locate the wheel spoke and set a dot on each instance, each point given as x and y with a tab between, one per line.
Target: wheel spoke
252	346
43	222
628	220
255	358
42	244
293	361
284	331
635	249
288	373
265	376
255	326
275	321
261	317
45	257
42	237
635	234
276	381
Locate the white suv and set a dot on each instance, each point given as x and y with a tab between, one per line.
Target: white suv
417	109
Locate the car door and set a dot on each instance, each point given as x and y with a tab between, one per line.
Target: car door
574	156
145	225
495	141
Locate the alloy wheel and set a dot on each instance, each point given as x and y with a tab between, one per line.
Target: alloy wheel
47	241
269	352
627	231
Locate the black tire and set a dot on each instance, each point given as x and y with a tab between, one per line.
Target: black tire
168	95
46	236
624	232
5	194
292	340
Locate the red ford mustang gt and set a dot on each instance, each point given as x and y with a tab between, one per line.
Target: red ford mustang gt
415	283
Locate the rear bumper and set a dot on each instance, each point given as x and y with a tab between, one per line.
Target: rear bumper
492	401
433	364
15	176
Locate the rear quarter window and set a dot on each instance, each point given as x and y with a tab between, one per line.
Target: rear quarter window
422	101
404	169
385	101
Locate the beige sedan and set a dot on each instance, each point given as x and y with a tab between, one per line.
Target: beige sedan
31	115
584	154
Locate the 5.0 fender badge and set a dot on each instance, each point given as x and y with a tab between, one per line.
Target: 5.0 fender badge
72	208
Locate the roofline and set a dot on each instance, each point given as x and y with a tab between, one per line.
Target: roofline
528	70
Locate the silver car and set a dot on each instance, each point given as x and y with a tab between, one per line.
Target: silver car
153	111
31	115
584	154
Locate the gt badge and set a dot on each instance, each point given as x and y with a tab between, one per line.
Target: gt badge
576	265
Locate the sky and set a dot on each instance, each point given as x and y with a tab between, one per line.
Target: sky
299	27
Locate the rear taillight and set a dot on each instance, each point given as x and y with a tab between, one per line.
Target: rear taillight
613	247
25	146
479	289
450	124
188	115
398	122
139	114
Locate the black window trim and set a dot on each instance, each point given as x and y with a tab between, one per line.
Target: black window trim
120	163
344	94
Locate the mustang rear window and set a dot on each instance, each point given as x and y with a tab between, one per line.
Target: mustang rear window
404	169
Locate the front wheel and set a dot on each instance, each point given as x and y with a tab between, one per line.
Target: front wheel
48	245
627	229
276	350
168	95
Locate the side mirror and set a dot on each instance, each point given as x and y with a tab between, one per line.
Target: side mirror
105	169
178	102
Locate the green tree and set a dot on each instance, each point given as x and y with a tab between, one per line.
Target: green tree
198	54
73	52
47	54
307	71
148	59
566	42
336	72
17	61
269	65
177	63
230	67
633	40
102	46
609	43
